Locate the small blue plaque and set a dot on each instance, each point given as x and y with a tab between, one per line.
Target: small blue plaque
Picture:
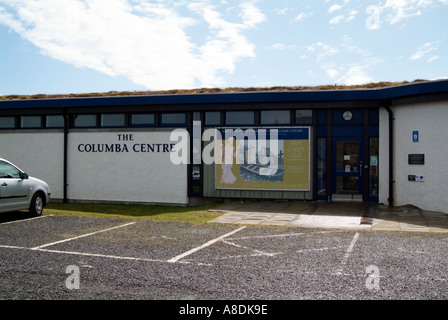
415	136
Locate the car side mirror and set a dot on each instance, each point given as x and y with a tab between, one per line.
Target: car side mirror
24	175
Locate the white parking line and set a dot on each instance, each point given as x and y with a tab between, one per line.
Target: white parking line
101	255
177	259
185	254
257	252
24	220
284	235
347	254
81	236
173	260
272	254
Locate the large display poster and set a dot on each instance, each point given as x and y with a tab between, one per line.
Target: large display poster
263	159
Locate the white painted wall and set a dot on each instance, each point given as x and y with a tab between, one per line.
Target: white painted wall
40	154
146	177
130	176
431	120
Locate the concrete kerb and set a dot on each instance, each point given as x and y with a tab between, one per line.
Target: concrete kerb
341	215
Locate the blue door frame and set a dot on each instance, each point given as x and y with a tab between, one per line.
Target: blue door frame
348	171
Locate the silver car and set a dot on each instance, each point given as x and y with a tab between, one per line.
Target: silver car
18	191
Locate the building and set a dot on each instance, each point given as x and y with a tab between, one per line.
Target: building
385	145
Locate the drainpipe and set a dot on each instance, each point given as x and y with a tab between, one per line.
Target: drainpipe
391	154
66	124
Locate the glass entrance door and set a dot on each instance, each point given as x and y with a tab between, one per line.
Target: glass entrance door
348	162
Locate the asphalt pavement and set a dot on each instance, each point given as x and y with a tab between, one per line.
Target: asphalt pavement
79	258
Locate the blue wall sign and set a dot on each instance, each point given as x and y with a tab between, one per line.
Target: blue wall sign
415	136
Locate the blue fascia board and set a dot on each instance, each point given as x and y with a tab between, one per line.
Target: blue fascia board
400	91
419	88
237	97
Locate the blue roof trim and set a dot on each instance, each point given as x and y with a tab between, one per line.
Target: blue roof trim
418	88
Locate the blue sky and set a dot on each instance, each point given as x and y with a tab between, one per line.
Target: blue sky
80	46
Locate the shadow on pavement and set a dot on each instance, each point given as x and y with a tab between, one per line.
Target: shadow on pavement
15	216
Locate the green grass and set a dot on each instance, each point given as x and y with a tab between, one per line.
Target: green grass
192	214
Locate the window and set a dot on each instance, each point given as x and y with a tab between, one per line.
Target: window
54	121
196	155
112	120
213	118
275	117
30	122
85	121
7	171
173	119
304	116
143	119
7	122
236	118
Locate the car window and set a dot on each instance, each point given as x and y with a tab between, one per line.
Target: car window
8	171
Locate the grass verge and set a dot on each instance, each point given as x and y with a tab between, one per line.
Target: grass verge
193	214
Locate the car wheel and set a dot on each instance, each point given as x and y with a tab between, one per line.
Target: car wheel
37	204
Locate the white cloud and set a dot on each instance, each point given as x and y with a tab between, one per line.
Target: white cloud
348	16
322	50
351	15
300	16
251	15
425	49
356	75
277	46
284	11
345	63
337	19
394	11
281	46
434	58
146	42
330	70
334	8
347	75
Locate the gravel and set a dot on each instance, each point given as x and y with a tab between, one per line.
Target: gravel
255	263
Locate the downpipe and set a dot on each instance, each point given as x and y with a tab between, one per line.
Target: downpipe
391	154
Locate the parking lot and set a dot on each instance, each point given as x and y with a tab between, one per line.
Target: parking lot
61	257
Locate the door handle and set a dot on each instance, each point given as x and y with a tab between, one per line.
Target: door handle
4	184
361	169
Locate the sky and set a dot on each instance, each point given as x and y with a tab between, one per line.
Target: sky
83	46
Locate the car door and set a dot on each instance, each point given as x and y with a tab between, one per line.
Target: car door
14	191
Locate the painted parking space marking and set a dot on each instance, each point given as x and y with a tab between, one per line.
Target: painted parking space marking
284	235
82	236
257	253
249	249
347	254
24	220
176	259
205	245
100	255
